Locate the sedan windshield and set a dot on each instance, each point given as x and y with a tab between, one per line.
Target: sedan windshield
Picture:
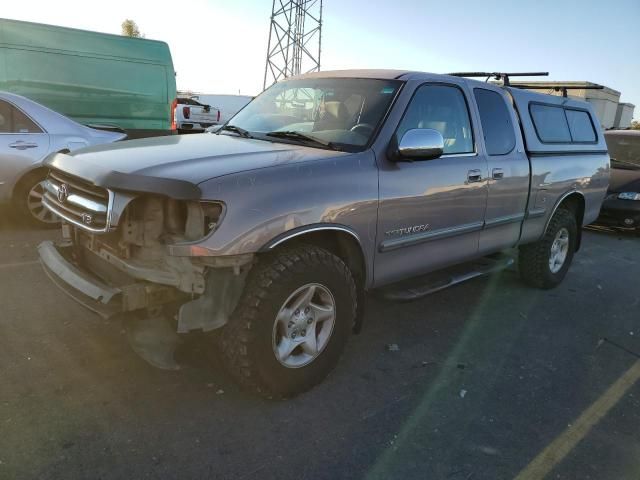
341	113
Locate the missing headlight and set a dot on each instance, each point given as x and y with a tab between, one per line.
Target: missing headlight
212	213
192	220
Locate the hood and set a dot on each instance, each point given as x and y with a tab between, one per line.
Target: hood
175	165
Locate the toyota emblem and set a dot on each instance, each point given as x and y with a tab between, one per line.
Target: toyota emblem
63	192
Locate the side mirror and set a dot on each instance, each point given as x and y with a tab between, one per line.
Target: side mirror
420	144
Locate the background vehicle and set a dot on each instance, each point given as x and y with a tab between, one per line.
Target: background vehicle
28	133
228	105
193	116
621	208
325	186
91	77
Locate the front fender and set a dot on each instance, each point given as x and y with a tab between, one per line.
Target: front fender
266	204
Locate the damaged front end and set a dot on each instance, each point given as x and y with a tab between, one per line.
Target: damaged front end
139	256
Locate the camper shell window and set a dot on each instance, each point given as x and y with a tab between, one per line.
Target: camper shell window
557	124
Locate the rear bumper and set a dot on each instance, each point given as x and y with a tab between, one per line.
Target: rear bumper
94	294
195	126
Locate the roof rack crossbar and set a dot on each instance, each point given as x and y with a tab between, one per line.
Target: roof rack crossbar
504	76
558	88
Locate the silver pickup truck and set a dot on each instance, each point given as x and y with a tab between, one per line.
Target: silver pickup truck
325	187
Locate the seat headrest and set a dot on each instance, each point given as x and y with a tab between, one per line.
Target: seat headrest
336	109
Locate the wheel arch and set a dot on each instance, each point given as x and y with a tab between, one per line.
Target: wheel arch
339	240
573	201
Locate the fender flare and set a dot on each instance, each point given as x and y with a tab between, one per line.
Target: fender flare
316	227
562	198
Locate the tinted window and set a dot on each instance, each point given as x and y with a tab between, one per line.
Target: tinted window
5	117
13	120
496	122
444	109
580	126
550	123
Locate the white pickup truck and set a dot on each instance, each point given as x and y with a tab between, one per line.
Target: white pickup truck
193	116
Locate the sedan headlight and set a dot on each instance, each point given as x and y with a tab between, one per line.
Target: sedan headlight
629	196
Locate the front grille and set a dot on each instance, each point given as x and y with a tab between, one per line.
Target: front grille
77	201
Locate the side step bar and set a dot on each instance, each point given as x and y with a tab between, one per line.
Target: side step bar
419	287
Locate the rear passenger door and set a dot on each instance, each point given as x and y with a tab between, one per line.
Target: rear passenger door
22	142
431	212
508	180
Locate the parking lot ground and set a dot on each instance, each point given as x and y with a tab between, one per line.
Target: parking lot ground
486	376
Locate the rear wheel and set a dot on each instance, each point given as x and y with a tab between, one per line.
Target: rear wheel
545	263
28	202
292	322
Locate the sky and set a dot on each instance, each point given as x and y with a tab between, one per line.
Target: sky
219	46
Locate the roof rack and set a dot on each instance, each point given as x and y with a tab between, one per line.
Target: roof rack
558	88
504	76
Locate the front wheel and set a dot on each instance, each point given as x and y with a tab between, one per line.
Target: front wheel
292	322
545	263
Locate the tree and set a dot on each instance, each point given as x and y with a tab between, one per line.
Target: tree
130	29
635	125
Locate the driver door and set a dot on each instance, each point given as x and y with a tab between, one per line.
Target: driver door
431	212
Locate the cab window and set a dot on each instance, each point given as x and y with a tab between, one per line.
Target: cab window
442	108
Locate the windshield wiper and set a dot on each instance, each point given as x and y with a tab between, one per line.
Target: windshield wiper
293	135
240	131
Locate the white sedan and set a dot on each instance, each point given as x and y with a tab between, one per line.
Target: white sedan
28	133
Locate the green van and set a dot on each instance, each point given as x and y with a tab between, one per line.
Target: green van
93	78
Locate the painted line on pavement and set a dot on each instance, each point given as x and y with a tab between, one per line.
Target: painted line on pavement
559	448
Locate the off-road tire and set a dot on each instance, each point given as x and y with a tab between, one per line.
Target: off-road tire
533	261
246	340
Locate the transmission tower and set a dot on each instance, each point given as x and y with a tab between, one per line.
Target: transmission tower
295	39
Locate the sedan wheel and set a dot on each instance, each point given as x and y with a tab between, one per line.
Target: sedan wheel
35	207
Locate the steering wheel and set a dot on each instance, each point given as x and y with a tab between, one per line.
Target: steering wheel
364	129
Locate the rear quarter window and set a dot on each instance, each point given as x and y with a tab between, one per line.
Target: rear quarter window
496	122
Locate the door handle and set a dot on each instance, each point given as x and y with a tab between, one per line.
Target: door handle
20	145
497	173
474	176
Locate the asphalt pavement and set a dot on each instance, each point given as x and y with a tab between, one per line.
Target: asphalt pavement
490	380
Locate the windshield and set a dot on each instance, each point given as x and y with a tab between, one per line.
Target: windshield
624	147
344	112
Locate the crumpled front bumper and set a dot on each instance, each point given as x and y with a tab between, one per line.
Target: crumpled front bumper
83	287
94	294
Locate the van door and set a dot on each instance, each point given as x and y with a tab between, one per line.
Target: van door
431	212
508	181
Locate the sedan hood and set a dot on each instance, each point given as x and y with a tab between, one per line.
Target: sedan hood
175	165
